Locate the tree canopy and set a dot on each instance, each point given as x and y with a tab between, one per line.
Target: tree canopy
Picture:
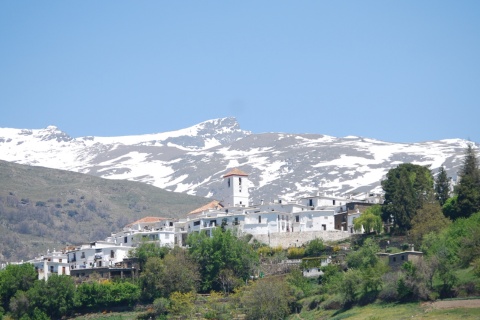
442	186
407	187
468	189
220	252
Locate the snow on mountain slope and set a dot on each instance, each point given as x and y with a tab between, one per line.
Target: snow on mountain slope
192	160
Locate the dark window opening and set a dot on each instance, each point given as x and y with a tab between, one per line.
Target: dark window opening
310	202
297	218
228	182
259	219
196	223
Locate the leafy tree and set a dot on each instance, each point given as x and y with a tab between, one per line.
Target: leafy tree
450	207
54	297
14	278
365	257
429	218
299	282
150	279
179	273
350	285
442	186
370	220
468	189
176	272
406	188
267	298
147	250
19	304
315	248
221	251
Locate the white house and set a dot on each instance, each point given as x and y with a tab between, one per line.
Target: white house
97	254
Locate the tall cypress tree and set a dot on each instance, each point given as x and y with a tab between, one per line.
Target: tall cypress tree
468	189
442	186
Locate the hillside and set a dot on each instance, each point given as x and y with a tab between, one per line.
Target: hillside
44	208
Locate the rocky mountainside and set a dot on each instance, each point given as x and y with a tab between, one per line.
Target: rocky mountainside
192	160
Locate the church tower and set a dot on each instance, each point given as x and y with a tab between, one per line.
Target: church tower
235	186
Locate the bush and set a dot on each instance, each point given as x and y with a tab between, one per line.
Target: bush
295	253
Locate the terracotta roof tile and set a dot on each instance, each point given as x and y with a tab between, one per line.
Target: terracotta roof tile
236	172
146	220
211	205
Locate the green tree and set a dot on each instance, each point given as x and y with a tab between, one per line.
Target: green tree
14	278
150	280
221	251
442	186
267	298
370	220
176	272
468	189
429	218
406	188
55	297
147	250
180	273
314	248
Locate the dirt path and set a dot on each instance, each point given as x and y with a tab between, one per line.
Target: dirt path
452	304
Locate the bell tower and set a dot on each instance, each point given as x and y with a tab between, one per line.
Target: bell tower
235	186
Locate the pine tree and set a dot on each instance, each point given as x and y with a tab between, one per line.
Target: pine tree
468	189
442	186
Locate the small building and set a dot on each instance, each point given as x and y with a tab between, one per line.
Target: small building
396	260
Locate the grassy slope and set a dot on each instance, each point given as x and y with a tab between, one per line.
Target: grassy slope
390	311
41	207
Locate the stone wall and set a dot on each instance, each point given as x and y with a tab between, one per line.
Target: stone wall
297	239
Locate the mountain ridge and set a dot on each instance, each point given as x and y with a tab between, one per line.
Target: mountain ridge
192	160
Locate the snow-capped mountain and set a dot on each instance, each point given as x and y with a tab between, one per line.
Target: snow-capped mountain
192	160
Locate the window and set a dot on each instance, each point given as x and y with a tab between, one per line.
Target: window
310	202
99	263
125	240
196	223
259	219
60	260
297	218
403	257
324	227
239	181
394	259
236	221
112	254
333	202
228	181
83	255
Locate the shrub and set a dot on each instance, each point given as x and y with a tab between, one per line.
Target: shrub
295	253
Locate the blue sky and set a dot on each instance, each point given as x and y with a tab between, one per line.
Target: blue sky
400	71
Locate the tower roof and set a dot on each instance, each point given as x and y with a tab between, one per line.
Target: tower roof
236	172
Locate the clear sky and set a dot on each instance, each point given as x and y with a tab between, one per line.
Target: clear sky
400	71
